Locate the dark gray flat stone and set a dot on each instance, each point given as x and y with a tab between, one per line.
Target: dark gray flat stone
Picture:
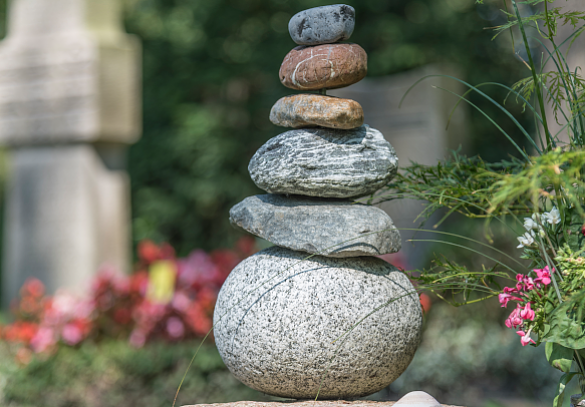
326	163
332	228
322	25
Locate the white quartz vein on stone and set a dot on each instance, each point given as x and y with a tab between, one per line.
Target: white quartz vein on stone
327	163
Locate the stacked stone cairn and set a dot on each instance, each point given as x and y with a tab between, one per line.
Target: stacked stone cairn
318	313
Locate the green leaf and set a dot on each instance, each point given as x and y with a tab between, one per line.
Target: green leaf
559	357
565	379
566	323
576	238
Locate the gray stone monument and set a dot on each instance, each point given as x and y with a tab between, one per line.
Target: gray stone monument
69	108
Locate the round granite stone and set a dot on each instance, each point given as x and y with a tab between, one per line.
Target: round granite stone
322	25
325	163
329	227
282	324
308	110
324	66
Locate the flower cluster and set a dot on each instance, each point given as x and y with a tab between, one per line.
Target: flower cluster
527	292
535	225
166	298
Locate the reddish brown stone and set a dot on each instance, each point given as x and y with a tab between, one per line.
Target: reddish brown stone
309	110
327	66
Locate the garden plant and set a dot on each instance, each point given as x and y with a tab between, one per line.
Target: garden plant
539	195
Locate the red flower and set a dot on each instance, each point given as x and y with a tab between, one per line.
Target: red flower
20	331
148	251
33	287
425	302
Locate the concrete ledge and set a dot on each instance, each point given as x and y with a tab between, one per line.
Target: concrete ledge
307	403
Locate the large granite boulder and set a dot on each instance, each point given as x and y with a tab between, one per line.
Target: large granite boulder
327	163
285	325
332	228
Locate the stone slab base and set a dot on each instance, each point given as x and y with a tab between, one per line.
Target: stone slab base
308	403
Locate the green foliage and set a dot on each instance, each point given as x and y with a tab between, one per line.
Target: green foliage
559	356
113	373
542	180
565	379
211	77
461	184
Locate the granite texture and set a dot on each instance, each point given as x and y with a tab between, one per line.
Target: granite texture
308	110
305	403
278	315
322	25
323	66
325	163
332	228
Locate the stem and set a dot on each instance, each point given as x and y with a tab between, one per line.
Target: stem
534	77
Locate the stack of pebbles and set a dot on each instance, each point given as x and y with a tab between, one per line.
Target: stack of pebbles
280	312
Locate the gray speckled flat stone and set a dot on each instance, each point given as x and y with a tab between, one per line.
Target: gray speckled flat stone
322	25
332	228
278	339
326	163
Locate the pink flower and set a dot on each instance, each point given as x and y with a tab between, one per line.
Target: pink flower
71	334
181	301
544	276
526	339
514	320
527	312
505	297
137	338
528	283
520	279
43	339
175	327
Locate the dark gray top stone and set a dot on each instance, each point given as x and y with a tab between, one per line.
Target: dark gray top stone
322	25
332	228
326	163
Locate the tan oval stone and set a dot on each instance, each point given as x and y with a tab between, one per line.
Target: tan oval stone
309	110
326	66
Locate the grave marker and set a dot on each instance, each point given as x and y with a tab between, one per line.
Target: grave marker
69	108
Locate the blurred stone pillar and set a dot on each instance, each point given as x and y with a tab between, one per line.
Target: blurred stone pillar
69	108
417	130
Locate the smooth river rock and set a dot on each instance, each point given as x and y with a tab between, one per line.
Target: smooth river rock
332	228
280	319
322	25
325	163
417	399
307	110
324	66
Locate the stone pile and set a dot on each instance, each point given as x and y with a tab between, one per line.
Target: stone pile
318	312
